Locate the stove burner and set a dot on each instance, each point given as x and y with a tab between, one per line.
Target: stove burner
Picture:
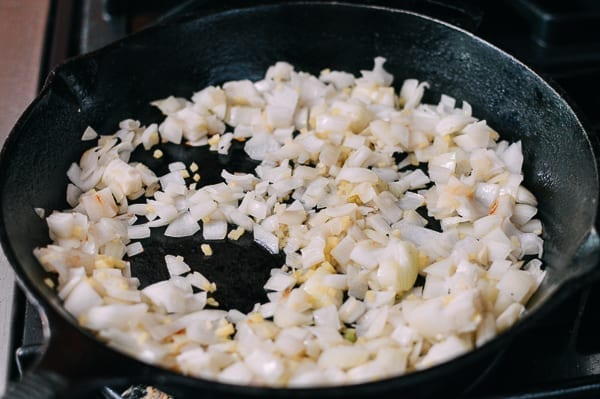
561	23
546	34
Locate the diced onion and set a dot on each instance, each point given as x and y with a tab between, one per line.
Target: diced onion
328	195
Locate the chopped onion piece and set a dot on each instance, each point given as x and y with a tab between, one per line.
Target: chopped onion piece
176	265
214	230
183	226
89	134
265	239
135	248
138	231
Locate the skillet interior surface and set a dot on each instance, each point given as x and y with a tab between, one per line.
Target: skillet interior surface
120	81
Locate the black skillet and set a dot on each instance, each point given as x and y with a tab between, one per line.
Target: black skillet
119	81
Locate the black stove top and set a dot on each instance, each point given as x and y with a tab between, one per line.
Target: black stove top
560	358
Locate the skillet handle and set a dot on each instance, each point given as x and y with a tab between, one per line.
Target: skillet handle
37	385
73	364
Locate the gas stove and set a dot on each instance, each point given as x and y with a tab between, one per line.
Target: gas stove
560	358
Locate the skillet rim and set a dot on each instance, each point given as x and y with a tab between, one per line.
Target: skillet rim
44	303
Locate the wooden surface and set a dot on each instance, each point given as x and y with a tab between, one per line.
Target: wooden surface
22	31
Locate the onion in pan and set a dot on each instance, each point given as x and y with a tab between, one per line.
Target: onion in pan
391	265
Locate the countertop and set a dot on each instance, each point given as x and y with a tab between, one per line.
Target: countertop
22	34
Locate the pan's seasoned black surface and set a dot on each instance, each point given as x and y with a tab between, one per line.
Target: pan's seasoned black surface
177	58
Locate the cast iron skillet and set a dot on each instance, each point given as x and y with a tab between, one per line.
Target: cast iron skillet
119	81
